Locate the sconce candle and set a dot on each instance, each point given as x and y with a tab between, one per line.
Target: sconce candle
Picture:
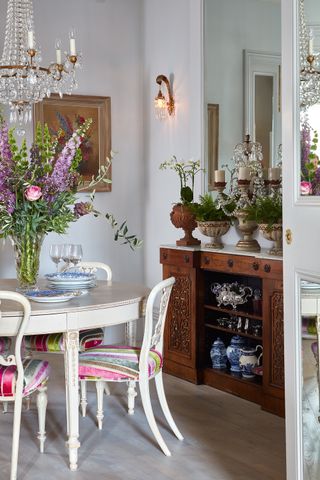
219	176
274	173
244	173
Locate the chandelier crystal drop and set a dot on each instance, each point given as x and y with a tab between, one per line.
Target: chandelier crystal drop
23	81
309	64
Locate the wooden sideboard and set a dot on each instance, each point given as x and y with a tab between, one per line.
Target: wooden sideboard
192	322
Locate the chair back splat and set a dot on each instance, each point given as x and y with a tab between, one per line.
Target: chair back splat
153	337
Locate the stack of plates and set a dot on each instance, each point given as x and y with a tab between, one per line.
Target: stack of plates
71	280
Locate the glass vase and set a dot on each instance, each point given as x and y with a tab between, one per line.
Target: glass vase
27	250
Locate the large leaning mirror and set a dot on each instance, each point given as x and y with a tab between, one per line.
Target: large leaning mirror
242	75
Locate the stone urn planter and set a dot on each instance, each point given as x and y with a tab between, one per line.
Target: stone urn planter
182	217
214	229
273	233
247	228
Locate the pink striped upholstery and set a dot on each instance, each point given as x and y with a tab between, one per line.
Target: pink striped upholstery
5	344
116	363
54	342
36	374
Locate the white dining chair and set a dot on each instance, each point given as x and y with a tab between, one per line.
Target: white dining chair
53	342
135	365
22	378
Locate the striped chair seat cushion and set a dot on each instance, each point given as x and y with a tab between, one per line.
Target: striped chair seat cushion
53	342
36	373
116	363
5	344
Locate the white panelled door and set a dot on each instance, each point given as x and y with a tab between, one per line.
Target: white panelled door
301	258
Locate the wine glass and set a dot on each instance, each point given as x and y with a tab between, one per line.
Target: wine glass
66	249
75	254
56	254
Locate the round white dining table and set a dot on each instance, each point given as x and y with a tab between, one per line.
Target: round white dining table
109	303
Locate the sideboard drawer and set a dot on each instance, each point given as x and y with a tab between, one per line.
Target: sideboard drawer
241	264
186	258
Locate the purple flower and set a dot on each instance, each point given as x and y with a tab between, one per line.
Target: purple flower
82	208
61	179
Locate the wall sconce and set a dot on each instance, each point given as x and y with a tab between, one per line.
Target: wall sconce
161	104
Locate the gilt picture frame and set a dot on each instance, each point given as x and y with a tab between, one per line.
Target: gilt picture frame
66	114
213	142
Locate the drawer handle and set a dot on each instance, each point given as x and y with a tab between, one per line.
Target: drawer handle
186	258
165	256
255	266
206	260
267	268
230	263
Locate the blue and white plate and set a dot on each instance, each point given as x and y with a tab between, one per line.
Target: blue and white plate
71	277
50	296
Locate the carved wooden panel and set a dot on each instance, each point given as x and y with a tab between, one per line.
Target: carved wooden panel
277	350
180	315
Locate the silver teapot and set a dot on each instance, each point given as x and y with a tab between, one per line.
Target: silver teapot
233	294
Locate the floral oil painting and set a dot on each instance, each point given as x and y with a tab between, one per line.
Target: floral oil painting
64	115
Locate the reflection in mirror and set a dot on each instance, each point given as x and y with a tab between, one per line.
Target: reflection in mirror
254	25
263	98
310	311
262	102
309	44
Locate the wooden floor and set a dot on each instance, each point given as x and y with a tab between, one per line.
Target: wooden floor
226	438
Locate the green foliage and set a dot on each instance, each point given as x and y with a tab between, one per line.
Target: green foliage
266	210
208	210
121	232
186	195
313	160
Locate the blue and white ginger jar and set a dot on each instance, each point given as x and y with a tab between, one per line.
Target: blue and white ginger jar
218	354
233	353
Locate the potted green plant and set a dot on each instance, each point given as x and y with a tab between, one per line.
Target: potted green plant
267	212
182	215
212	221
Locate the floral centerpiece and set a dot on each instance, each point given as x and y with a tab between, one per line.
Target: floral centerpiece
310	171
38	194
182	215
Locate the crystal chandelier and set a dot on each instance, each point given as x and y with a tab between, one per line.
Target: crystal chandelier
23	81
309	64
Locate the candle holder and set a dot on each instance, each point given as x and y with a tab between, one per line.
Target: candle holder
247	184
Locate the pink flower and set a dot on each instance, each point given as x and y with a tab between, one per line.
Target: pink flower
33	193
305	188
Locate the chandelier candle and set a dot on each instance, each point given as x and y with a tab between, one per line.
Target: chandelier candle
274	173
23	80
244	173
219	176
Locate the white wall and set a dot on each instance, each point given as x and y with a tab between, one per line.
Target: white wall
109	35
172	46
